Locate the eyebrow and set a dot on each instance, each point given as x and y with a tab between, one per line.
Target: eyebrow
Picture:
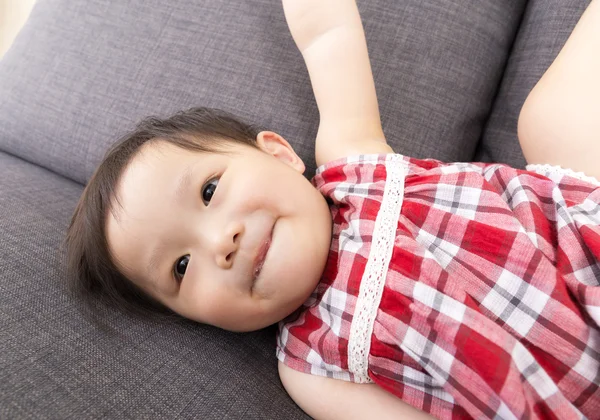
153	263
182	186
184	181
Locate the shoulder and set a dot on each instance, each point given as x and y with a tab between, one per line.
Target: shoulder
336	141
326	398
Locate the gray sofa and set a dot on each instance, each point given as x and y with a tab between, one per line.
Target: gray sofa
451	76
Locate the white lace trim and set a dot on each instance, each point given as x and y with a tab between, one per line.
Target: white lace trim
547	170
373	280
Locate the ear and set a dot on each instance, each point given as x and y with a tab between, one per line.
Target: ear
275	145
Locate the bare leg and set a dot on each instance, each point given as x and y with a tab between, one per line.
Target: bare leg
559	123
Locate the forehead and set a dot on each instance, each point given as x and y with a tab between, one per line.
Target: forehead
151	172
158	156
157	164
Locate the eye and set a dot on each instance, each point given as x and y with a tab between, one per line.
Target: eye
208	190
180	267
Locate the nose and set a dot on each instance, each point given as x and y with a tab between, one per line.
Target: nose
227	244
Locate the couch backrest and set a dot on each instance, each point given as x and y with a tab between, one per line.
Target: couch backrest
83	72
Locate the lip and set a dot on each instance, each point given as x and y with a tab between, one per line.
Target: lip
261	255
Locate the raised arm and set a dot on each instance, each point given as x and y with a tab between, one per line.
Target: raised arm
330	36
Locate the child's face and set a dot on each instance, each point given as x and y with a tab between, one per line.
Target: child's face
211	217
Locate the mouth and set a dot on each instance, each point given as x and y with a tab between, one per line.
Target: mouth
259	260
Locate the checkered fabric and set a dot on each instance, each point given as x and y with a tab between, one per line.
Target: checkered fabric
488	304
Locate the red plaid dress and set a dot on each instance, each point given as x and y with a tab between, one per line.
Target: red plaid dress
468	290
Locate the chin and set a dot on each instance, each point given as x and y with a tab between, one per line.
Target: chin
255	324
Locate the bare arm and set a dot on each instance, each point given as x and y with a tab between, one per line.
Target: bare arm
324	398
330	36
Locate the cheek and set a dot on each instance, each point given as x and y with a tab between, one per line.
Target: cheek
261	189
192	301
207	301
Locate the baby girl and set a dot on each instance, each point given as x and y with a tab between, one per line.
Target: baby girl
402	287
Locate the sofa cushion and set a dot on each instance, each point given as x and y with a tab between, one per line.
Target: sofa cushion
54	364
546	27
81	73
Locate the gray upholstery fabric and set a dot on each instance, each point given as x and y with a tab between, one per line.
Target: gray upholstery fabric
54	364
83	72
546	27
